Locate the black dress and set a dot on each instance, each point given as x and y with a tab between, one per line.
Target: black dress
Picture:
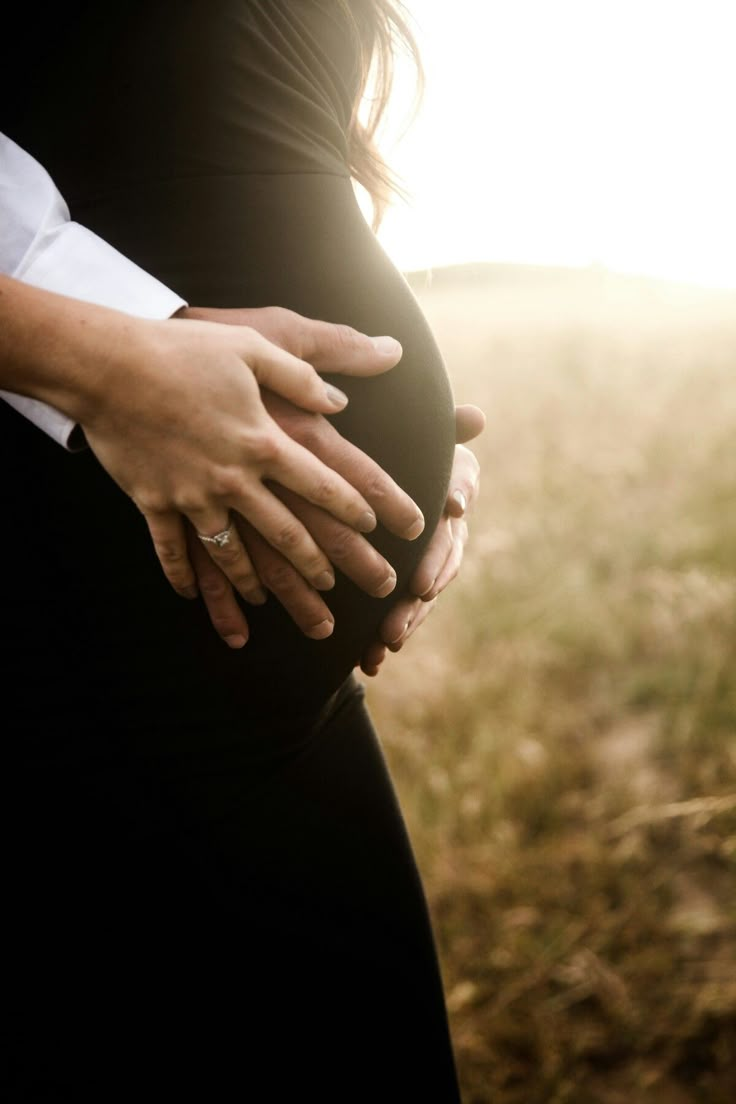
209	877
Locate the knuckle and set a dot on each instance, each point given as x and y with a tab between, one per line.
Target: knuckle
288	537
245	579
278	576
213	587
151	501
290	327
345	337
265	446
226	483
377	491
171	554
190	501
250	335
273	317
341	546
314	566
325	490
179	579
308	431
300	334
227	557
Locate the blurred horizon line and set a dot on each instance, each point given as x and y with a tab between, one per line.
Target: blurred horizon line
507	271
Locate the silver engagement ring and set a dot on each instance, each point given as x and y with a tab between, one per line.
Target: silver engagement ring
220	539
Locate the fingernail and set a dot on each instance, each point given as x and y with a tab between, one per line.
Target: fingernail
396	639
387	585
460	499
325	581
415	529
190	591
235	641
387	346
321	631
428	590
337	397
367	522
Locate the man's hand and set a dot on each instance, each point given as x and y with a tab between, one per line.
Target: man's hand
441	562
181	427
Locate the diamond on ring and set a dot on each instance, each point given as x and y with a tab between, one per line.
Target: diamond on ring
220	539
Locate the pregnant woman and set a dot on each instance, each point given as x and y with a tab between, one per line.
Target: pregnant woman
214	891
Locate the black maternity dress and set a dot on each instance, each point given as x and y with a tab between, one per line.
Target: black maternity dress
210	891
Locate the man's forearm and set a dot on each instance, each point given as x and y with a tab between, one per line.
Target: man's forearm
41	246
58	350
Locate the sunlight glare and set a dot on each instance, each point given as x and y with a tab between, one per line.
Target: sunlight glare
572	132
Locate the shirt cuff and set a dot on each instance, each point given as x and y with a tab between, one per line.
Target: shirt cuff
62	429
75	262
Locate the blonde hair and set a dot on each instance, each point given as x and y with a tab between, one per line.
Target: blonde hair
382	29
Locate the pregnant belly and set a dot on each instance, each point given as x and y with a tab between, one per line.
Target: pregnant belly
298	242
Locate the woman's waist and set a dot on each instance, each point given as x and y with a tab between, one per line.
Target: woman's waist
301	242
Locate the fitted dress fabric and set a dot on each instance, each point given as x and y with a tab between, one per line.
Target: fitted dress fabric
210	875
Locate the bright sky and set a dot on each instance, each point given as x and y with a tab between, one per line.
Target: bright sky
573	132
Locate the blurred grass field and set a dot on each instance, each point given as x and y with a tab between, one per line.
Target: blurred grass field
562	731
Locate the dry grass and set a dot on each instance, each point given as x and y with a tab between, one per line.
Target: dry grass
562	731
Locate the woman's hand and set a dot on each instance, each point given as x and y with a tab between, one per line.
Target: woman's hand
180	425
441	562
346	548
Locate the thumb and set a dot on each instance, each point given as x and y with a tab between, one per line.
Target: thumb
470	421
332	347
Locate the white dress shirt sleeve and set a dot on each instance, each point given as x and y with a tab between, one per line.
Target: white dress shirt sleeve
40	245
